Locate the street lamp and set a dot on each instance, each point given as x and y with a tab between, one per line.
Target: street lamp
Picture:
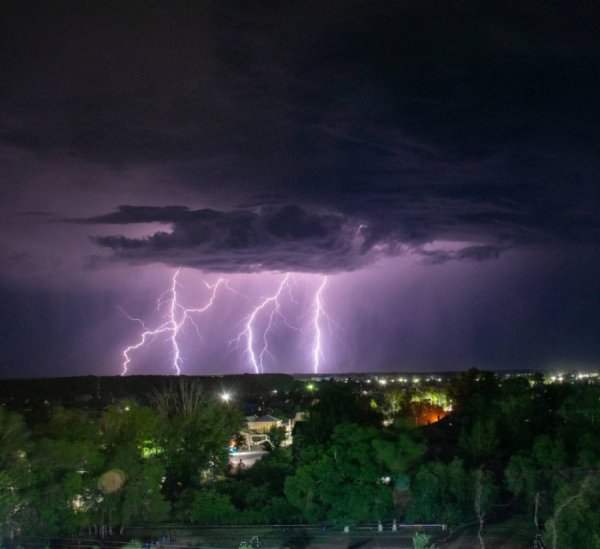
225	396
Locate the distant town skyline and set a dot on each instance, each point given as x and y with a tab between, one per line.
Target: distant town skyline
360	187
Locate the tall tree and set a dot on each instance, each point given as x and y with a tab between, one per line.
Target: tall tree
195	435
335	405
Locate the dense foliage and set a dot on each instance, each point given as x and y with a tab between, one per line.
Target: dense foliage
131	464
520	447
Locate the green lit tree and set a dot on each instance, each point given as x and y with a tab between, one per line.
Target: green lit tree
421	541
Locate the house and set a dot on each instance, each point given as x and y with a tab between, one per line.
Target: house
257	430
262	424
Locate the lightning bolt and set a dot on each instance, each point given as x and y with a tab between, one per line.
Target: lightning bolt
319	314
177	318
273	305
257	326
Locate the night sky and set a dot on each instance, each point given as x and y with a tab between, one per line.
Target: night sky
427	171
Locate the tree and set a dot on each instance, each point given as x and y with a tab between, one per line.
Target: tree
194	439
466	385
258	492
450	494
129	424
575	521
13	437
277	436
10	498
14	470
93	474
336	405
139	498
441	493
205	506
421	541
65	464
483	499
396	402
132	457
350	481
481	441
524	481
270	472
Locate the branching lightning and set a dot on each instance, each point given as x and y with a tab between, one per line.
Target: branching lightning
176	320
257	327
256	340
273	305
319	313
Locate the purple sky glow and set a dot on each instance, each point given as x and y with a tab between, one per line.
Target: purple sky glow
437	163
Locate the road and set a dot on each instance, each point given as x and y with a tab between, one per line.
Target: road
248	459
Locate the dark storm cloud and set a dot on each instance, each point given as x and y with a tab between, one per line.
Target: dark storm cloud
292	238
145	214
283	238
287	238
474	253
425	121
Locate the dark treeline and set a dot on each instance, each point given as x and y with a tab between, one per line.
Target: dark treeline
516	448
95	392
